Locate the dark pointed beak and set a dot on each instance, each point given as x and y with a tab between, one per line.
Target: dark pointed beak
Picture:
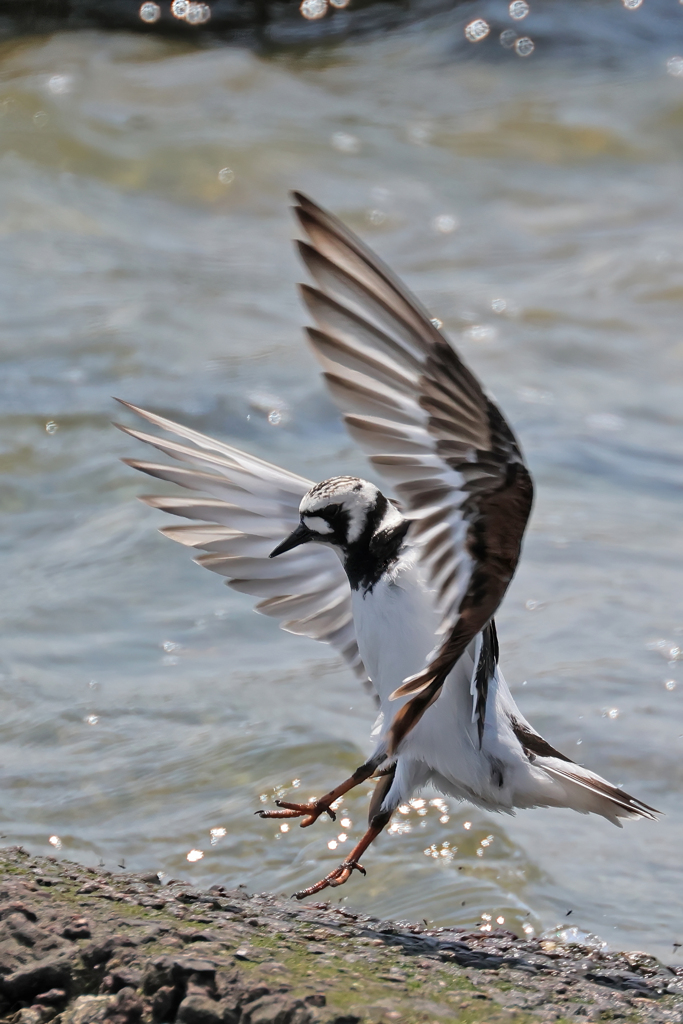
300	536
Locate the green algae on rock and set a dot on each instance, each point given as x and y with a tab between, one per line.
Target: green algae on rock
79	945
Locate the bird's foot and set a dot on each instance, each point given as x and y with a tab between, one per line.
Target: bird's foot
331	881
310	812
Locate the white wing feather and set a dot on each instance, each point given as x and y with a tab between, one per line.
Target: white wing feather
250	506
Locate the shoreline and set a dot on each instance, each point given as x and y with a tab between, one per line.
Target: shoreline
79	945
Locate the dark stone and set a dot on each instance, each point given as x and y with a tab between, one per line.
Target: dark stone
127	1009
230	1011
256	993
23	931
17	907
274	1009
158	974
624	982
99	952
26	982
76	928
317	999
151	879
199	1009
164	1003
187	966
124	977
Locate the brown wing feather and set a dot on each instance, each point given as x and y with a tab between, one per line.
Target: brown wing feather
428	425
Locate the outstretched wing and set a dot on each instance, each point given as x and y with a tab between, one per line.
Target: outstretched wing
241	508
423	417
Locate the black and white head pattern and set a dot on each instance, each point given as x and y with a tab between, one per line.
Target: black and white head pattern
353	516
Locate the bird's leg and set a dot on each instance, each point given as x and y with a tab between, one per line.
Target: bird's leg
378	820
311	811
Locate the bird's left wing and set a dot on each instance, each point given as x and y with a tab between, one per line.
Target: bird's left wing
428	426
241	508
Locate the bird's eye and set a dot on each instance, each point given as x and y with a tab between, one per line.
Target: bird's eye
332	511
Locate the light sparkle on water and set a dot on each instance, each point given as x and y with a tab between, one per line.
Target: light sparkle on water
149	12
345	143
313	9
58	85
524	47
518	9
194	855
477	30
197	14
445	223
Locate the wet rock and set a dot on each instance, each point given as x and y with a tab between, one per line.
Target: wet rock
624	982
529	976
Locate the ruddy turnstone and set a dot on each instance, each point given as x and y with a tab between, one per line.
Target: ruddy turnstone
404	588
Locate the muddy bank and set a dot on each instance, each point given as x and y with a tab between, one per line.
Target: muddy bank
79	945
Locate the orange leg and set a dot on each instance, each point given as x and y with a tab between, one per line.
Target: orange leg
378	821
311	811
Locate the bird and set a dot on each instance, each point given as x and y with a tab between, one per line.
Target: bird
403	585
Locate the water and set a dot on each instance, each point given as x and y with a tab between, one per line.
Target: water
535	204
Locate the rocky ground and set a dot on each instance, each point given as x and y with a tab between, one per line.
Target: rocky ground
79	945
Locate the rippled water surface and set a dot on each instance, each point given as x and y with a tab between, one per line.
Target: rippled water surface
536	206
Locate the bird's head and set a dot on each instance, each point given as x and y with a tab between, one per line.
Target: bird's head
339	512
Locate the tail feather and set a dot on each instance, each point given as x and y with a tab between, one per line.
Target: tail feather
588	792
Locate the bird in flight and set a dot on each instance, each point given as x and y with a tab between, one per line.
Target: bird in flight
404	587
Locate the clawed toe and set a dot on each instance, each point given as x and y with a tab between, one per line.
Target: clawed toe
310	812
331	881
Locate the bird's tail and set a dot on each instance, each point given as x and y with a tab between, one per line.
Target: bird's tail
586	792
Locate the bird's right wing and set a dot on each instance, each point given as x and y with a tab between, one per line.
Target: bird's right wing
429	427
241	508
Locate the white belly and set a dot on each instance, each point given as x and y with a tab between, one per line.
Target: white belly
396	627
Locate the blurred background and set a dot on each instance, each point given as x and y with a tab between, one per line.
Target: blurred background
531	193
